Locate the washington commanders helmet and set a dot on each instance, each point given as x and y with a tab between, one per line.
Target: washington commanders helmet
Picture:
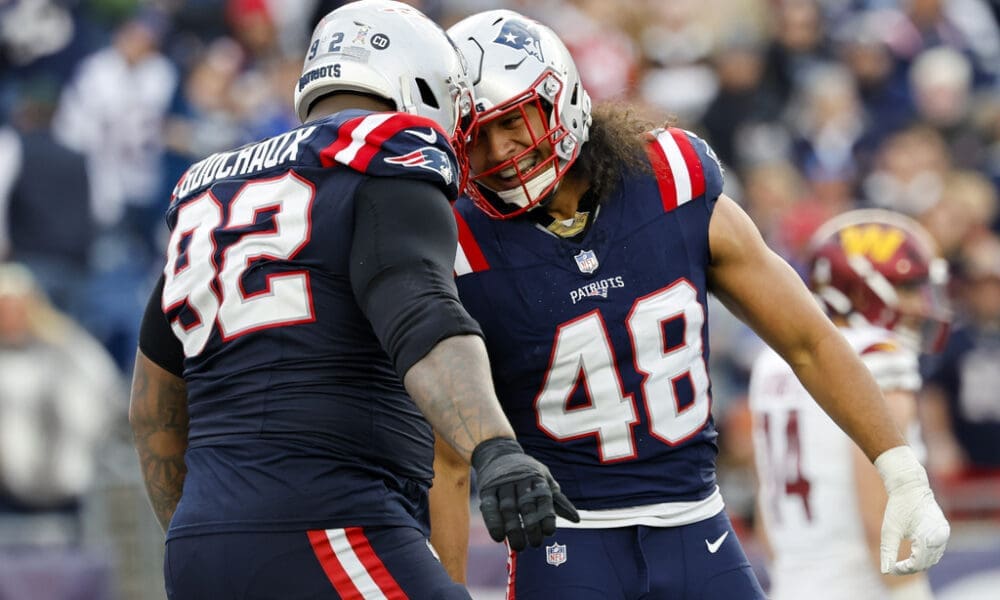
516	63
390	50
884	268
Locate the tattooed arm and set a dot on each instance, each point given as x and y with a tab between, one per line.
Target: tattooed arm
518	498
452	386
159	419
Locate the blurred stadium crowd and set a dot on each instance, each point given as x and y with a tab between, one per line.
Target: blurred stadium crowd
813	106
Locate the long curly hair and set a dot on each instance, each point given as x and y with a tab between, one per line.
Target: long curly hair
616	147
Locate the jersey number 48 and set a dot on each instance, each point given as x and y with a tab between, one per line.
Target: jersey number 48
583	354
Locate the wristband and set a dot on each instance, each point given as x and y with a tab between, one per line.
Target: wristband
488	450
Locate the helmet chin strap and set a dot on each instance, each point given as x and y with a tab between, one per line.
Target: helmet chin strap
522	195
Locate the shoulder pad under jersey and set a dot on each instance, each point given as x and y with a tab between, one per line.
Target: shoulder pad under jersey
390	144
685	166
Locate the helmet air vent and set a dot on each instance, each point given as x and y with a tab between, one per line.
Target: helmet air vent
426	94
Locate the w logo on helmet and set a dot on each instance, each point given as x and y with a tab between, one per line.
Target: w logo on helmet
519	35
872	240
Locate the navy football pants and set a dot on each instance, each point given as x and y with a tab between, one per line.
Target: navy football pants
391	563
692	562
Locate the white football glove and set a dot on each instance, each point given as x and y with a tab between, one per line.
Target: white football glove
910	513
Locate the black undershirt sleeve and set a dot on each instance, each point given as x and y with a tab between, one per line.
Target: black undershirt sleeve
402	267
156	339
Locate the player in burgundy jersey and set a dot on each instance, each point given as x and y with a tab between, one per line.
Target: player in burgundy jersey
586	252
879	277
306	335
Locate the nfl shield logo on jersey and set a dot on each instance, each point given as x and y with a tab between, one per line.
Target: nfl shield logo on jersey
555	554
587	261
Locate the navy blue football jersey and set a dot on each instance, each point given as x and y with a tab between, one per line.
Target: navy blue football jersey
298	419
599	347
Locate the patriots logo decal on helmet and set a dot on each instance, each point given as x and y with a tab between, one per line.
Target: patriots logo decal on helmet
519	35
428	158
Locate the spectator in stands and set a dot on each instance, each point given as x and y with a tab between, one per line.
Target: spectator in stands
988	122
913	26
594	31
34	31
969	203
829	123
961	408
740	101
800	42
942	90
120	133
777	198
113	111
253	27
205	116
264	102
49	226
676	41
58	390
882	86
908	171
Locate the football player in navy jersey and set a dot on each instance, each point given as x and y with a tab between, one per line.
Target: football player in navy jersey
306	336
586	252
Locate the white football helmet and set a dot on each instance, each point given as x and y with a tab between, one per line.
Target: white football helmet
391	50
517	62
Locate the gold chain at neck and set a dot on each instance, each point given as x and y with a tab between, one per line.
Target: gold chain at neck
567	231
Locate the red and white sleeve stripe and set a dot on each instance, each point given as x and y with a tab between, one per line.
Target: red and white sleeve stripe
360	139
351	140
677	167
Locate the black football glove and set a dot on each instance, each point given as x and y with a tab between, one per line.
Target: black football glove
518	497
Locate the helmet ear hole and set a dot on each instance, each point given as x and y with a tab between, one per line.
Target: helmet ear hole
426	94
547	107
